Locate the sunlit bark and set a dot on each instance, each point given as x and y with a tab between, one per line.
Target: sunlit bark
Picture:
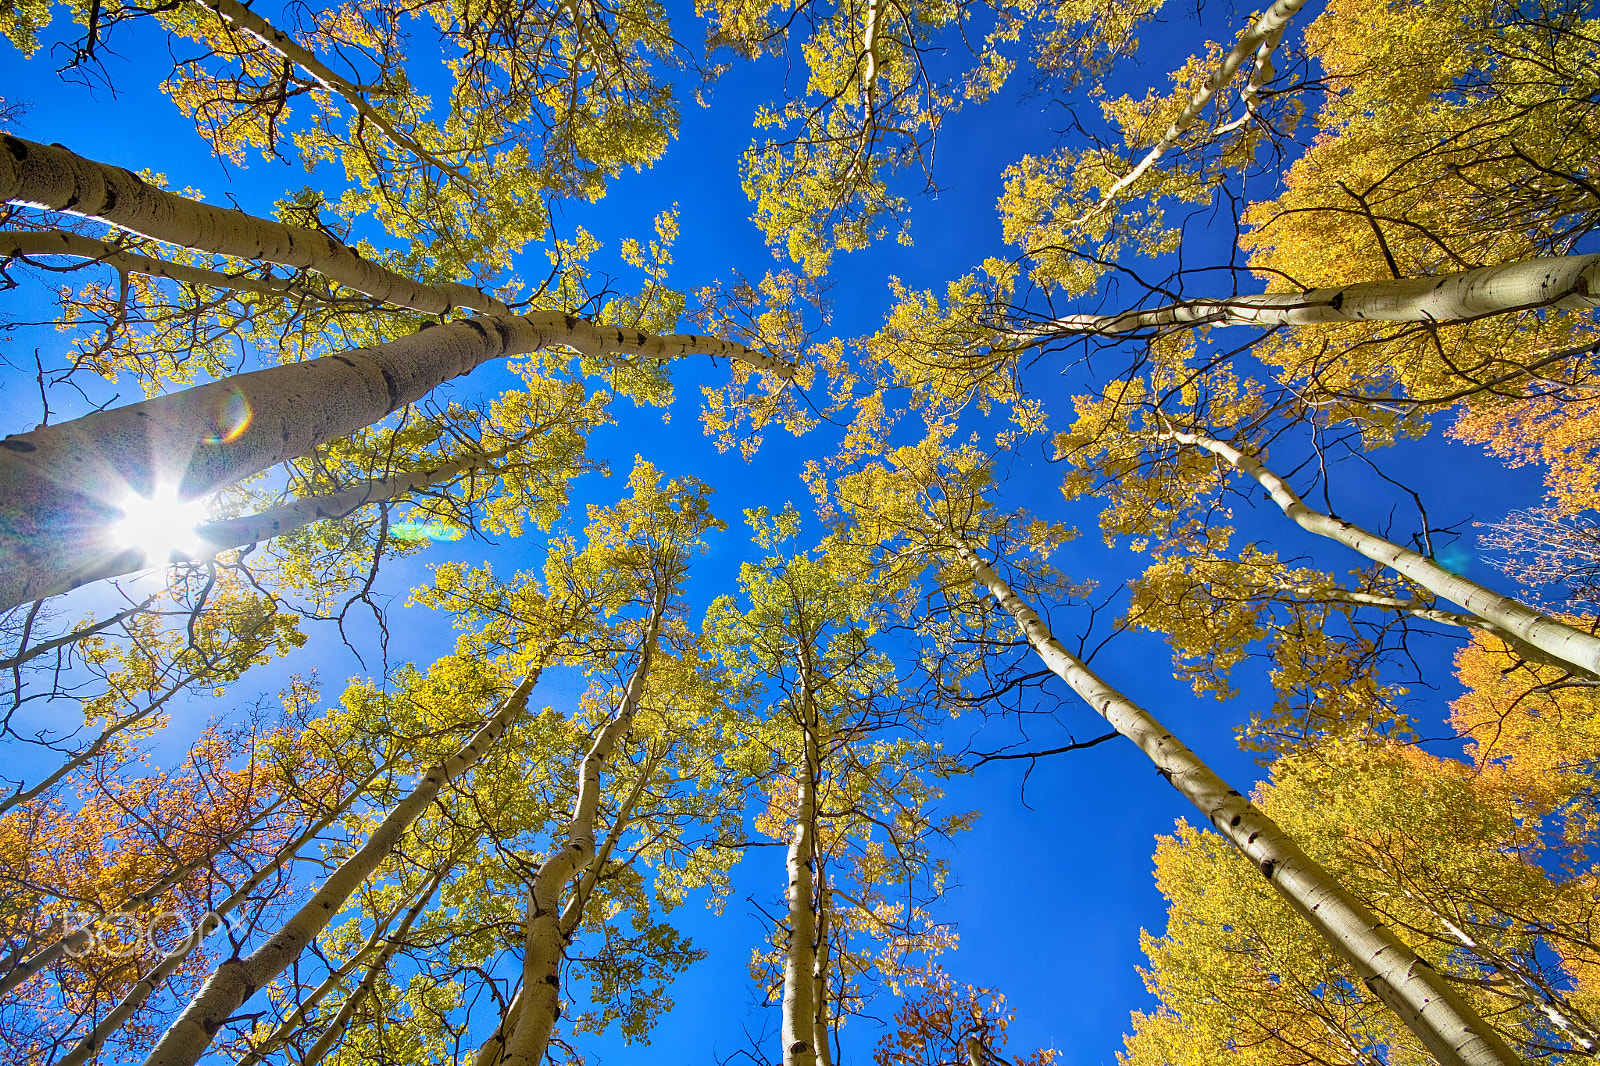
1568	282
237	979
1571	647
1425	1003
545	938
800	960
46	176
61	486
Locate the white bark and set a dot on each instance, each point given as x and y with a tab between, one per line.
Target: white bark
1426	1004
489	1051
545	939
54	178
237	979
60	486
1267	26
1433	614
798	1029
77	246
1569	282
1573	648
253	25
822	1028
209	923
341	1021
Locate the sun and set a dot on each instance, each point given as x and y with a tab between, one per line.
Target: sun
160	525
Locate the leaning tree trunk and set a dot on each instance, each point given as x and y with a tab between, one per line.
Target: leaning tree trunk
544	939
61	486
52	177
1427	1005
237	979
1259	40
219	536
1573	648
60	242
1570	282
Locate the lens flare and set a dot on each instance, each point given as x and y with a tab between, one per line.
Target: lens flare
230	419
161	525
415	531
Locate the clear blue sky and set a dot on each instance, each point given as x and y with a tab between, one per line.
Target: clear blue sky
1051	892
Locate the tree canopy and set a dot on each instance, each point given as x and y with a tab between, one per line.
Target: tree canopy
1092	397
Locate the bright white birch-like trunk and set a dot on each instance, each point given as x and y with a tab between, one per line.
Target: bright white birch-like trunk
252	24
1266	27
1424	1001
209	923
822	1029
1571	647
237	979
61	486
545	936
330	1036
1570	282
39	175
77	246
488	1053
799	1024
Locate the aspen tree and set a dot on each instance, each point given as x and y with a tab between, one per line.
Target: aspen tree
1577	649
237	979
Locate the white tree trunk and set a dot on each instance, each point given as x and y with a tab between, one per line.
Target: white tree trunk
255	26
545	939
798	1029
77	246
237	979
1573	648
60	486
1570	282
1266	27
40	175
489	1051
1428	1006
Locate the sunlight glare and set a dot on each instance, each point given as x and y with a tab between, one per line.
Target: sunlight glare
160	525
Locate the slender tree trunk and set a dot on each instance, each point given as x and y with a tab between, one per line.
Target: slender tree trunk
1267	26
45	176
76	245
1573	648
822	1030
1425	1002
237	979
545	939
254	25
26	655
1322	594
489	1052
61	486
211	921
347	1010
800	962
1570	282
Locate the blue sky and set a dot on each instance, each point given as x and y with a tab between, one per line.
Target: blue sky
1054	882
